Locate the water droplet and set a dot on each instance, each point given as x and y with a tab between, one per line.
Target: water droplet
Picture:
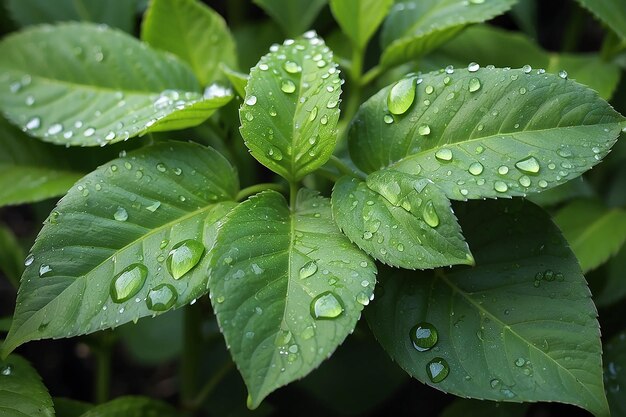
474	85
275	154
476	168
563	74
292	67
127	283
424	130
500	187
524	181
154	206
528	165
55	129
519	362
527	69
476	1
401	96
522	90
429	89
444	154
183	257
89	132
30	100
308	269
388	119
430	215
287	86
33	123
263	67
7	370
473	67
503	170
437	369
110	136
121	215
29	260
332	104
326	306
162	297
324	120
251	101
313	114
362	298
367	235
44	269
308	333
424	336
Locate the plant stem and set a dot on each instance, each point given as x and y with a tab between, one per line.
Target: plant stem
371	75
253	189
190	358
210	385
102	387
354	99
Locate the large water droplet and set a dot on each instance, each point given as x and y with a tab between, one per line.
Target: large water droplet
251	101
308	269
33	123
388	119
292	67
128	282
162	297
7	370
287	86
424	336
183	257
444	154
275	154
29	260
474	85
437	370
121	215
424	130
326	306
401	96
528	165
473	67
500	187
430	215
476	168
44	269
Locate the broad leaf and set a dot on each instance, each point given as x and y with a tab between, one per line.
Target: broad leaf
416	27
473	408
21	391
491	45
401	220
294	16
290	113
194	32
287	288
129	240
31	171
81	84
615	373
489	132
11	255
132	407
594	232
116	13
359	19
520	326
611	12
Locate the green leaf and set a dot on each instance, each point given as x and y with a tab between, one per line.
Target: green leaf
520	326
594	232
615	373
614	288
489	132
401	220
502	48
31	171
66	407
116	13
294	16
11	255
611	12
21	391
289	117
414	28
5	323
359	19
473	408
132	407
285	305
192	31
82	84
116	234
237	80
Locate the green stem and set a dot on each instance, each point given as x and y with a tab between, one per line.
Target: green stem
210	385
354	99
190	358
293	194
253	189
103	373
372	74
343	168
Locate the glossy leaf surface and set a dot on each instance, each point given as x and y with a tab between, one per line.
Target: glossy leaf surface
21	391
359	19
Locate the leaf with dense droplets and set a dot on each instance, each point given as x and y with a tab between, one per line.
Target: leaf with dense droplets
21	391
88	85
359	19
416	27
519	326
284	306
615	373
401	220
31	171
522	132
289	116
192	31
294	16
610	12
594	232
91	269
132	406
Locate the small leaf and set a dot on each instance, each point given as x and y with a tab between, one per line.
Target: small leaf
615	373
21	391
611	12
289	116
116	13
401	220
284	306
594	232
237	80
82	84
31	171
132	407
192	31
520	326
416	27
104	255
294	16
359	19
489	132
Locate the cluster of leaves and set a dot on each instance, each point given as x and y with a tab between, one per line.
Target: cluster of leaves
490	117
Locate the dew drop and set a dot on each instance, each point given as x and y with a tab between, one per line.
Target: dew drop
308	269
183	257
287	86
423	336
251	101
528	165
388	119
44	269
424	130
401	96
429	89
29	260
500	187
444	154
7	370
313	114
55	129
275	153
474	85
33	123
527	69
430	214
89	132
438	369
292	67
476	168
362	298
121	215
524	181
127	283
522	90
473	67
563	74
326	306
503	170
162	297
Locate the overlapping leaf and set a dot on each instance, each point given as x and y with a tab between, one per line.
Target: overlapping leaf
287	288
290	113
401	220
611	12
520	326
192	31
129	240
294	16
81	84
485	132
21	391
359	19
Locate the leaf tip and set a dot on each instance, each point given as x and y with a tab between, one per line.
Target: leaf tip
469	259
251	403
